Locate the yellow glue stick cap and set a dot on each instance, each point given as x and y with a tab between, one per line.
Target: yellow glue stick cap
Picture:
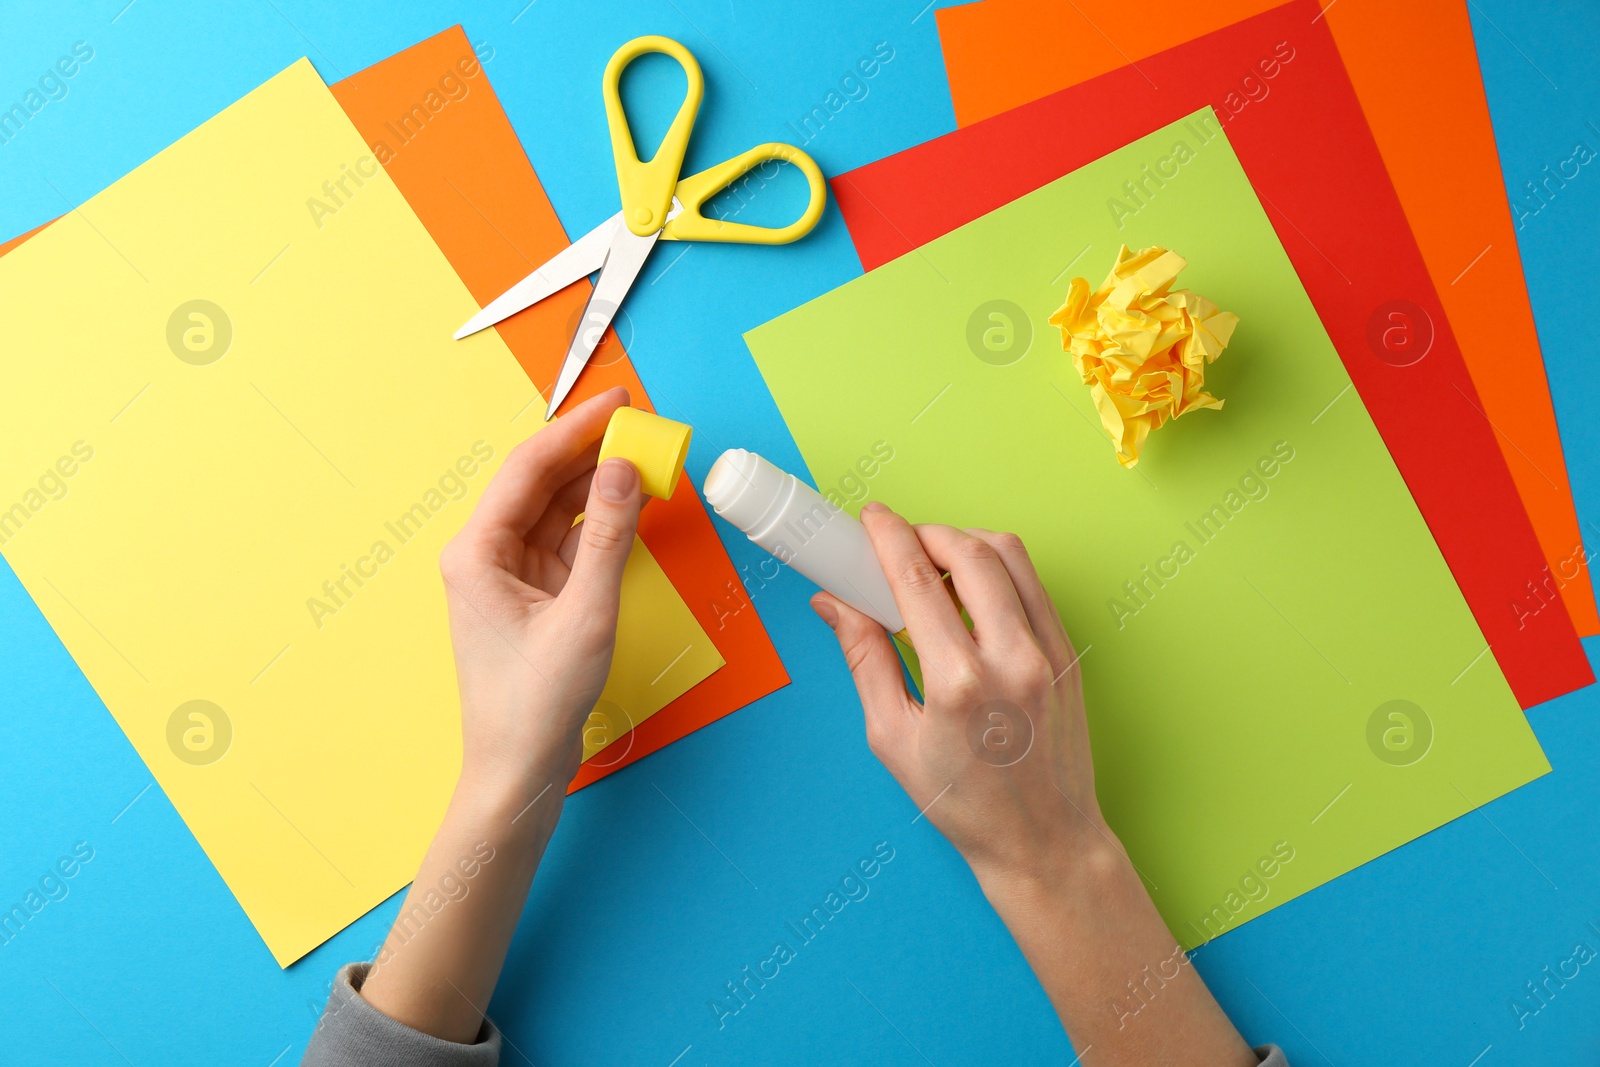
657	446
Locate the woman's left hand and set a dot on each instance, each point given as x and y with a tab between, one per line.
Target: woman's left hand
533	599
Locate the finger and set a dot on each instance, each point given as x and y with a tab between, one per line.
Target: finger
533	471
559	515
1043	618
875	668
610	520
930	615
982	581
569	545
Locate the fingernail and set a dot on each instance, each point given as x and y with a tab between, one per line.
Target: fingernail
825	611
616	480
874	505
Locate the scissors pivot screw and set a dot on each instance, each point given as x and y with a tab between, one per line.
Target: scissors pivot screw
644	216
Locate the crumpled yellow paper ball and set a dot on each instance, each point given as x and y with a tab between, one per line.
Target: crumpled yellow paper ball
1141	347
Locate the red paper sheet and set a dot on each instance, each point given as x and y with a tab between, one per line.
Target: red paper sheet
1303	139
1423	105
441	134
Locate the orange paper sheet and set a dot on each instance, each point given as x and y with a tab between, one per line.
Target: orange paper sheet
442	135
1424	105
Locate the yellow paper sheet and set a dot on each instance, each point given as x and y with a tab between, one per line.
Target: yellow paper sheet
235	433
1141	348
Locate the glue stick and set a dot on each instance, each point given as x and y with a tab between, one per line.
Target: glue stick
804	530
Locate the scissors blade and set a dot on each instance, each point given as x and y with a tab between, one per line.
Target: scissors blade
578	260
622	265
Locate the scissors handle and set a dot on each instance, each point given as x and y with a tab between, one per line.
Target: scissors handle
647	186
691	225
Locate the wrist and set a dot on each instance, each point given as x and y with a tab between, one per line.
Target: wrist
1084	879
511	807
1058	844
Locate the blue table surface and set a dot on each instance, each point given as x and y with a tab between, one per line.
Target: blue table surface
668	878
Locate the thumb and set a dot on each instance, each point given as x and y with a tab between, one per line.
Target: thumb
874	666
610	520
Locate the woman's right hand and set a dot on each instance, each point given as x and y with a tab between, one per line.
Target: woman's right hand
997	757
998	754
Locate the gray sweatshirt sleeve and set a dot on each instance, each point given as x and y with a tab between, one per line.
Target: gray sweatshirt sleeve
1272	1056
352	1033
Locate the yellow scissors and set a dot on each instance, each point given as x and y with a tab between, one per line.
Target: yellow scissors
656	205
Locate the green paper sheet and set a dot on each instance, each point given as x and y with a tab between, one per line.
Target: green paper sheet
1282	679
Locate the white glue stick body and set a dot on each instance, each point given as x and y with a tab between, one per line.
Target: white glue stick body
804	530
